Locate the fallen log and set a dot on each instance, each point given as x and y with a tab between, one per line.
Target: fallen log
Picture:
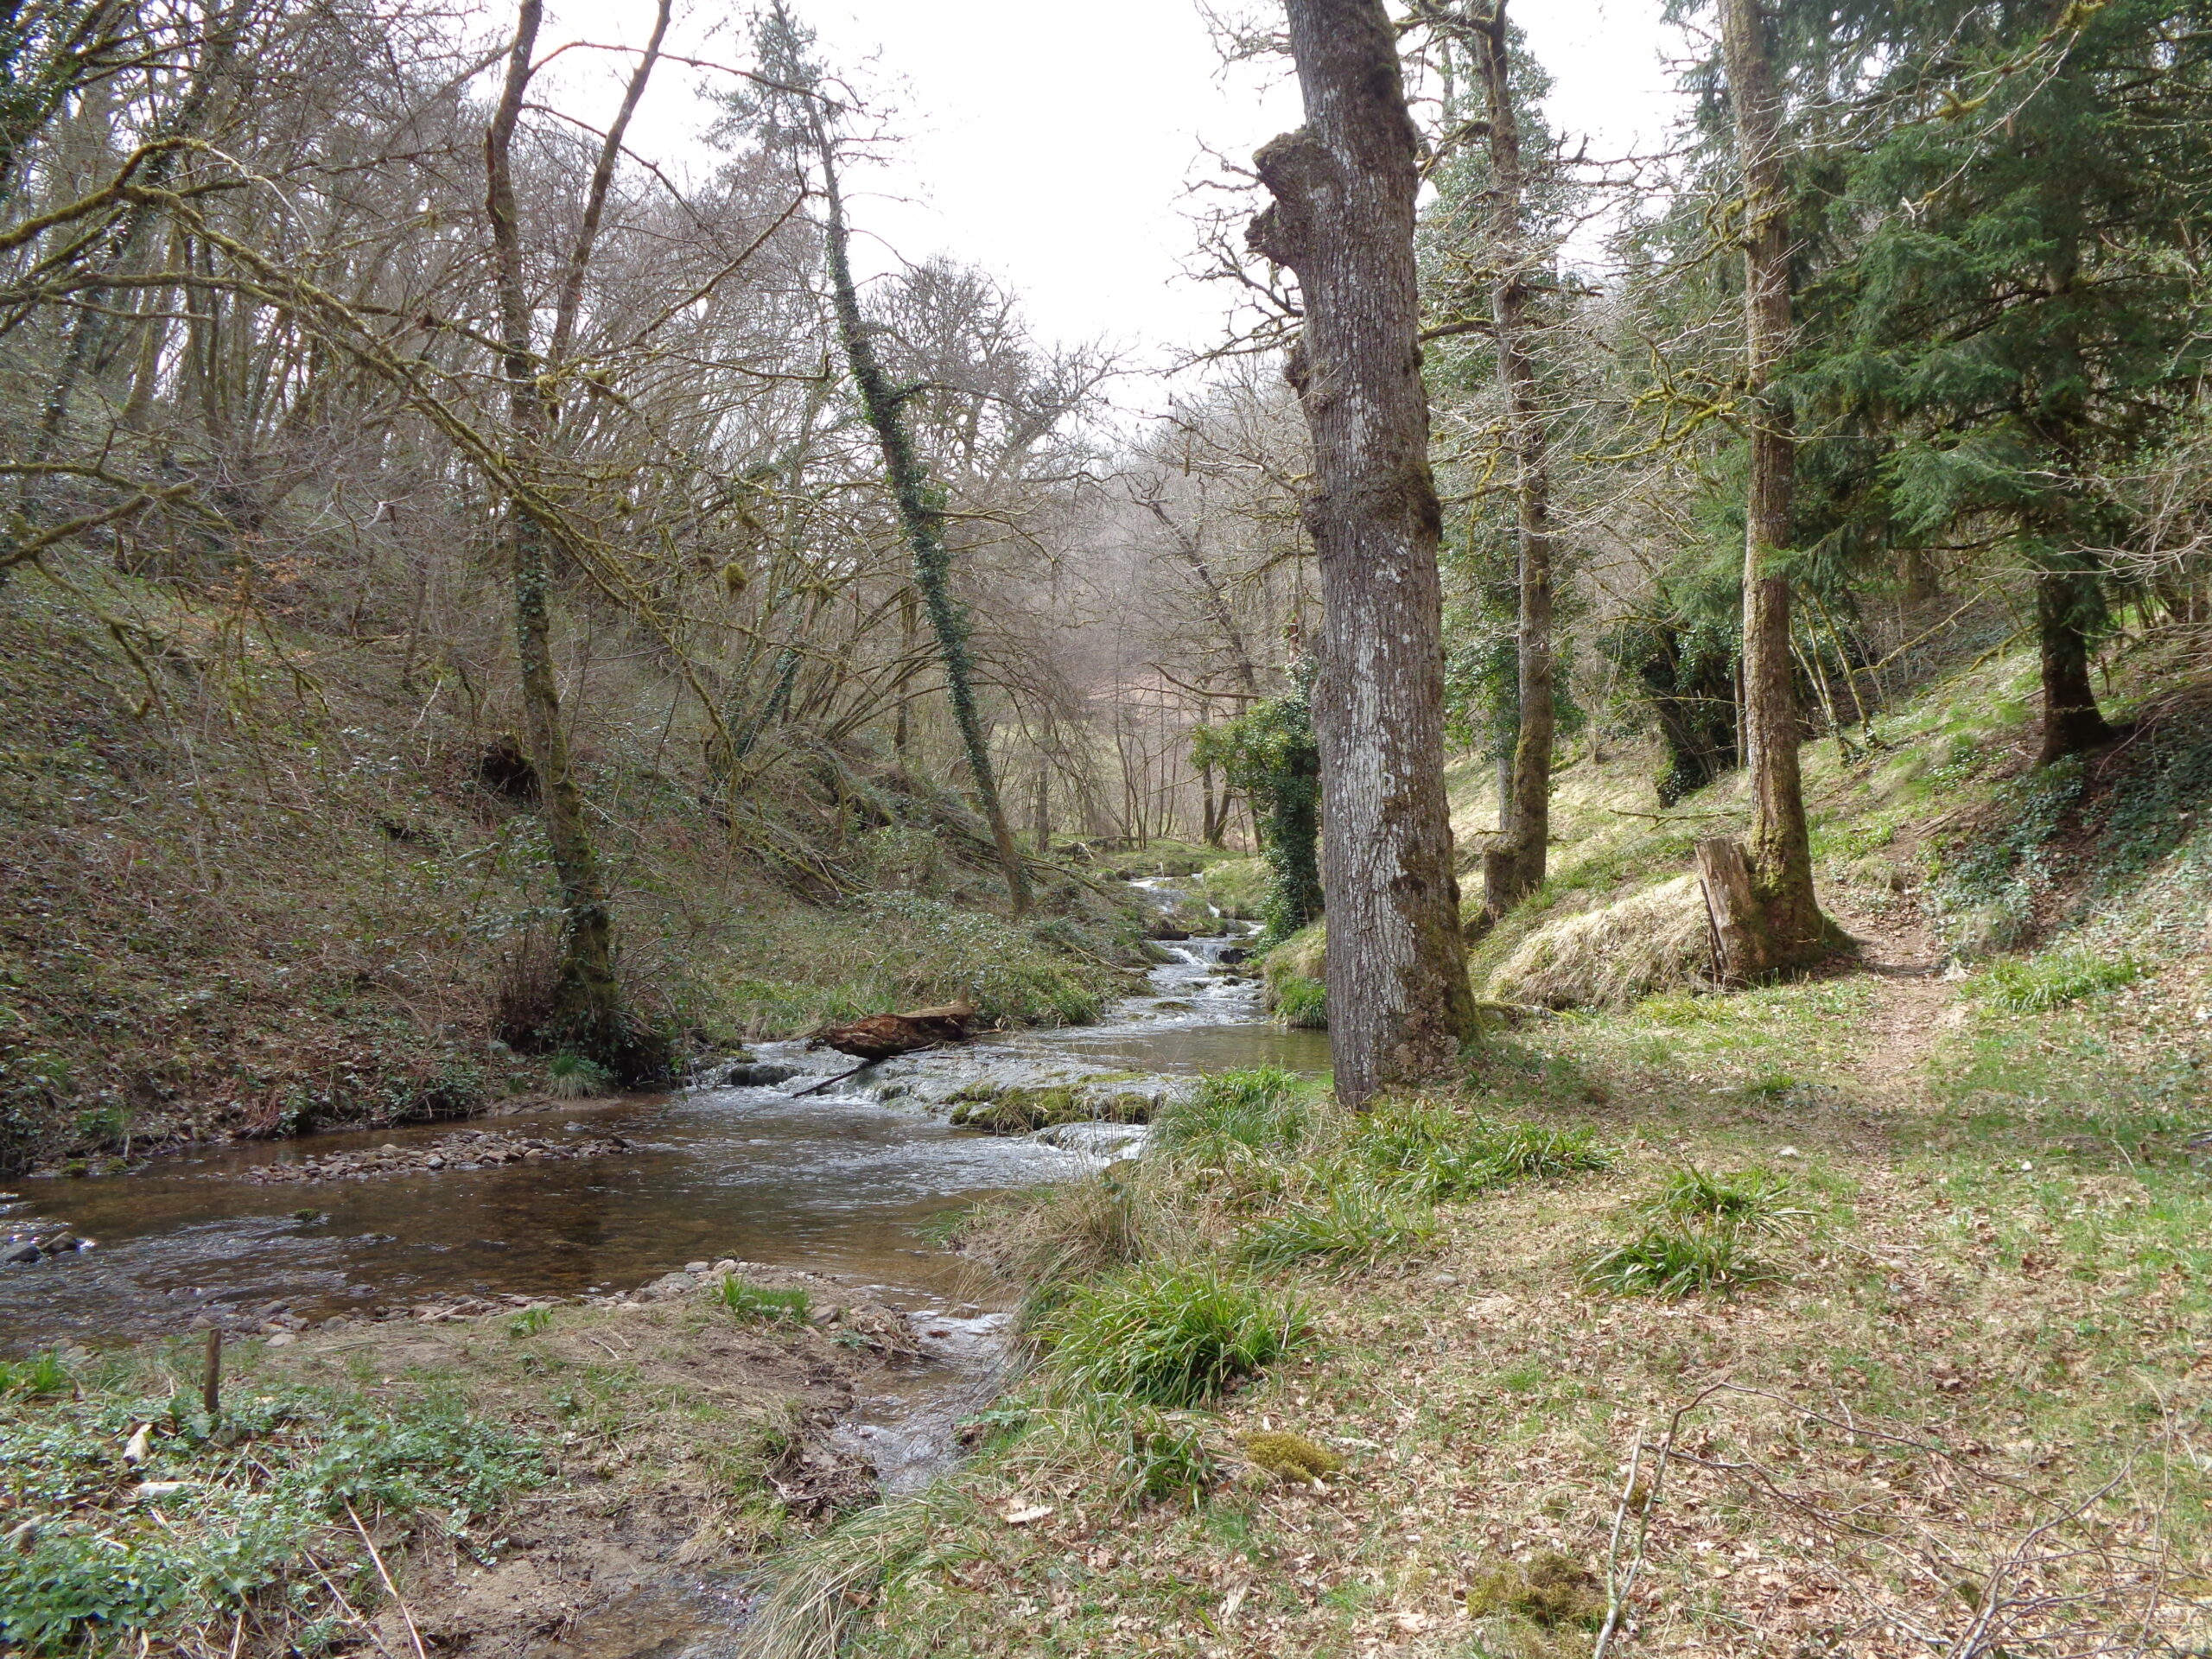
882	1035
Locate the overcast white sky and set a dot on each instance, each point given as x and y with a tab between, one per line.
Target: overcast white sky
1053	143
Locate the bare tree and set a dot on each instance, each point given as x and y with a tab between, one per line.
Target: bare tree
587	1012
919	498
1342	220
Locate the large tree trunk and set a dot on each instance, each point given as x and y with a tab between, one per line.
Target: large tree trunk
2071	720
587	1014
2068	603
1343	219
923	519
1789	928
1513	866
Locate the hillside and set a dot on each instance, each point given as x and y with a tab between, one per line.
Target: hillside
257	878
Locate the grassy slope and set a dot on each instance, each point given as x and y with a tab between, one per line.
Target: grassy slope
1971	1388
249	882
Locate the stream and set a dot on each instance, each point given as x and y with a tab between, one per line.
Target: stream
836	1182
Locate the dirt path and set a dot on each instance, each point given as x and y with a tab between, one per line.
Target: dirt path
1913	1003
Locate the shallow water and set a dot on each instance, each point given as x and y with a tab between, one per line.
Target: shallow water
837	1184
834	1185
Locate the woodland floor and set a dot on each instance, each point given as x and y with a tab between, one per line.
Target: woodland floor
1963	1408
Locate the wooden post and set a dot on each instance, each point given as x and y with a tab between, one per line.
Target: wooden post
210	1382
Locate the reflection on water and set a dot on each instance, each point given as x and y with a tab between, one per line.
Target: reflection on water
1185	1048
837	1184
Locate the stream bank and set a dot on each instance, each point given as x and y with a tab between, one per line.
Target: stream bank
565	1274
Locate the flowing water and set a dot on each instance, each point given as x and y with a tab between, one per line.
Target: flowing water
836	1182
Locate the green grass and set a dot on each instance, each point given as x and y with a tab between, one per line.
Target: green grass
1169	1334
897	950
1155	1455
1237	886
1441	1154
1696	1233
750	1301
1302	1003
1670	1260
1354	1223
1749	1200
224	1512
41	1374
2037	984
1266	1108
571	1077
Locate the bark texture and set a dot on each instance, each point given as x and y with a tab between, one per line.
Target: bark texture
1514	866
1789	928
1342	220
587	1015
1731	909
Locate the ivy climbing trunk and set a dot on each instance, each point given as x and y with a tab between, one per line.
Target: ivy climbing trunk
1786	927
921	514
1514	867
1342	220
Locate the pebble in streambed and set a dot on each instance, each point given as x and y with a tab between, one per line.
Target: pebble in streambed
28	1240
471	1149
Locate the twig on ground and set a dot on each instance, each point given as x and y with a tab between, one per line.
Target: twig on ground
391	1589
1616	1597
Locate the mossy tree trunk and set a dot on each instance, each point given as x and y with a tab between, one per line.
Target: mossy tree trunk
921	515
587	1014
1788	928
1514	867
1343	221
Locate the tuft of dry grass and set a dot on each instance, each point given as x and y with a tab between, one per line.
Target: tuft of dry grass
1611	958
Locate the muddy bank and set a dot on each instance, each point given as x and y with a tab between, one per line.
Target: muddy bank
679	1431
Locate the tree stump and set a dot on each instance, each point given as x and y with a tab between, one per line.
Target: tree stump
1735	925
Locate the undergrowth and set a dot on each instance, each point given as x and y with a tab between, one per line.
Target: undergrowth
1696	1236
213	1514
2038	983
750	1301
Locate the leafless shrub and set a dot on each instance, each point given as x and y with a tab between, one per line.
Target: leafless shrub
525	998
